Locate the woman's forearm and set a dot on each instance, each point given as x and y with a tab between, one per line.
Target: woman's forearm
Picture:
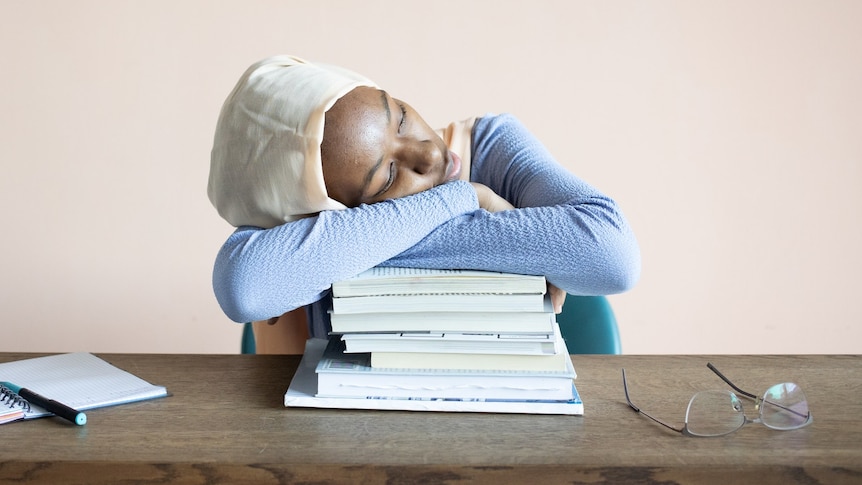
583	249
564	228
260	274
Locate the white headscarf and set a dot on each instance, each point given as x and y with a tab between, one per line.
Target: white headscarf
265	168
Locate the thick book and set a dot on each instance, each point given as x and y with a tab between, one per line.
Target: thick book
303	393
414	281
439	361
443	302
452	342
80	380
436	320
350	375
558	360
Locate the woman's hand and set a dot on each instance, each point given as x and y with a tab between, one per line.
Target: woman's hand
558	297
489	200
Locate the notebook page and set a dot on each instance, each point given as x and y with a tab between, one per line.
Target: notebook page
80	380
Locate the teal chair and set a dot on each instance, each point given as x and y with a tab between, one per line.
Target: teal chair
587	323
589	326
247	346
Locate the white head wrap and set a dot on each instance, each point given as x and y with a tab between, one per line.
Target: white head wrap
265	168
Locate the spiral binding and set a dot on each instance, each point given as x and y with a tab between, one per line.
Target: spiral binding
11	399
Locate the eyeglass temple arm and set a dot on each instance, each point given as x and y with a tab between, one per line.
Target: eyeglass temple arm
638	410
725	379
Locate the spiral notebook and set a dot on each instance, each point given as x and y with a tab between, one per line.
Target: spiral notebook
11	406
80	380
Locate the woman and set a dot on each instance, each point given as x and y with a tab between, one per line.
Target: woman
326	175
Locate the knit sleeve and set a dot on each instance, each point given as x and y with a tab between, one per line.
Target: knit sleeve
263	273
562	227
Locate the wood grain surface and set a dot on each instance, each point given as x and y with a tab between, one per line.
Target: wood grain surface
225	422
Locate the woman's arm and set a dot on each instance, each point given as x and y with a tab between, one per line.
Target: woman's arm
563	228
260	274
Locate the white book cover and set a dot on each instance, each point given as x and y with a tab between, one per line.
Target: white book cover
449	302
452	342
351	375
557	360
537	322
303	393
408	281
439	361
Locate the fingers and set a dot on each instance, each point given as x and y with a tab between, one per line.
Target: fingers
558	297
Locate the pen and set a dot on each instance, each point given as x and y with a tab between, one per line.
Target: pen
51	405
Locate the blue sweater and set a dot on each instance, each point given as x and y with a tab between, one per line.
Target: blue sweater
562	228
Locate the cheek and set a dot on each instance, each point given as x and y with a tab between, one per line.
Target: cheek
409	183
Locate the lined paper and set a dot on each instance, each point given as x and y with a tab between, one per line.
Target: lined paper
80	380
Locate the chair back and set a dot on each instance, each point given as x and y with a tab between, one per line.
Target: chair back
589	326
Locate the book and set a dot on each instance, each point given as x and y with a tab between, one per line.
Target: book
80	380
440	361
558	360
448	302
414	281
494	321
303	392
351	375
382	290
449	342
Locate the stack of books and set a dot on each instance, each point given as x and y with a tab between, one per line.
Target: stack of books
447	340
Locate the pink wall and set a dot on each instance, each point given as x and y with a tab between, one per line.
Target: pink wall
729	131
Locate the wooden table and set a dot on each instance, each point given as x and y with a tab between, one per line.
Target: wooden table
225	423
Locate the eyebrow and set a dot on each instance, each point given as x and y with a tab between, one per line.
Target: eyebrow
384	98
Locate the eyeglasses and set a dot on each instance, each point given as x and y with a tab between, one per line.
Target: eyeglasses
717	413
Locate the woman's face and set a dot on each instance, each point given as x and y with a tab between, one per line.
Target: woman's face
376	147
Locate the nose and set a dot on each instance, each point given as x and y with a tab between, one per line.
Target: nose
420	155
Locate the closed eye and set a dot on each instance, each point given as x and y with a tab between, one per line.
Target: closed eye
393	172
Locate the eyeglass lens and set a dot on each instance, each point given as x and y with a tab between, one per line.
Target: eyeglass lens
784	407
714	413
